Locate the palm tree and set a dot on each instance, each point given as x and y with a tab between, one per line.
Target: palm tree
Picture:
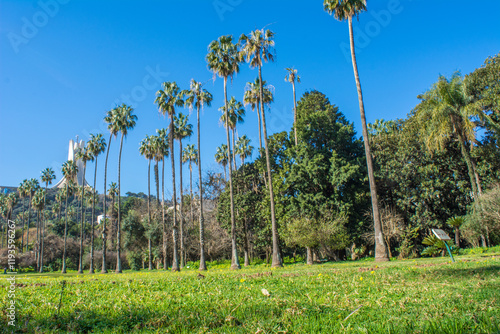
235	116
221	157
445	110
113	131
84	155
257	48
112	192
22	191
56	207
223	60
146	150
190	155
291	78
31	187
125	121
38	202
69	170
244	149
96	145
47	177
252	98
197	96
163	151
182	130
167	99
342	10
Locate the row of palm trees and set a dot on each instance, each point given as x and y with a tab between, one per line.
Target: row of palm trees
224	58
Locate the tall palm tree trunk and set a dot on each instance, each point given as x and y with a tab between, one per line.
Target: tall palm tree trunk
157	184
165	259
234	148
294	113
91	270
191	192
65	230
37	242
235	262
28	226
104	269
276	258
23	221
260	128
42	243
181	215
118	227
380	246
80	263
175	232
203	265
150	261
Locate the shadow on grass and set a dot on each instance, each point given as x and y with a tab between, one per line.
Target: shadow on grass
492	270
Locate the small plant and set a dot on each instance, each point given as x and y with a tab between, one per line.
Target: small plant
435	246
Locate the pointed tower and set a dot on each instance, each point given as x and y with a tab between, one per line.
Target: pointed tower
74	146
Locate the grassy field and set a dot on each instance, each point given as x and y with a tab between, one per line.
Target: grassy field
409	296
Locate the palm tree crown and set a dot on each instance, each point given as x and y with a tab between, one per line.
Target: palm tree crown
223	57
235	113
344	9
257	47
182	129
190	154
244	149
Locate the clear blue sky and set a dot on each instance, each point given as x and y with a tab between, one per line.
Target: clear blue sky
64	63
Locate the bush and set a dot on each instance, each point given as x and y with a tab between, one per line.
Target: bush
134	260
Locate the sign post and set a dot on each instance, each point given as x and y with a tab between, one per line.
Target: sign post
441	235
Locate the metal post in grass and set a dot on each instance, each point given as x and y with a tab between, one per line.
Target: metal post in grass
441	235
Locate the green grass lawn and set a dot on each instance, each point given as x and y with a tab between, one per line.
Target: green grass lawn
410	296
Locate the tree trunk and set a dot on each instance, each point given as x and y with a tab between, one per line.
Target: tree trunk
294	113
191	191
468	160
457	236
37	243
150	261
388	244
175	260
80	262
181	215
234	147
118	223
276	258
22	228
380	246
92	222
260	126
104	269
235	262
203	265
157	183
28	227
165	260
246	246
42	239
309	256
65	230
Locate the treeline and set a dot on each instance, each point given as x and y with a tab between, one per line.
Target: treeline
319	190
